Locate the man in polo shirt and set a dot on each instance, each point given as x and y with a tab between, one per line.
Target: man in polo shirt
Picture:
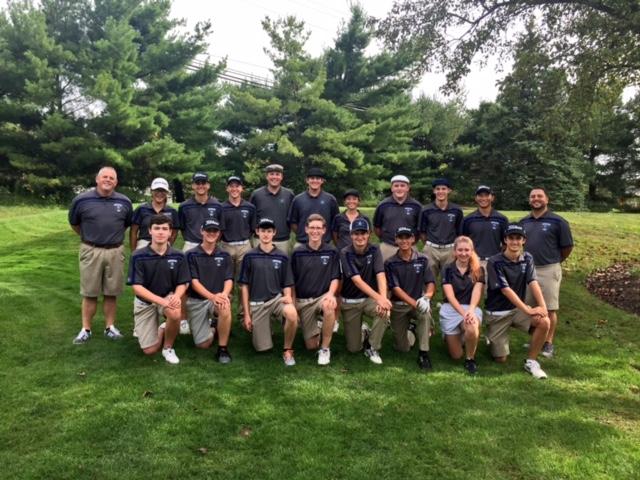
100	217
316	272
274	201
341	225
395	211
509	274
440	224
412	285
485	226
211	271
364	292
266	282
239	222
160	276
139	235
314	200
550	242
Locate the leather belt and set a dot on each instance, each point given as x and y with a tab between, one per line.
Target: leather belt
107	245
436	245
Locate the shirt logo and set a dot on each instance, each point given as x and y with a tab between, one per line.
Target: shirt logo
172	263
408	211
212	212
523	267
276	263
119	207
218	261
546	226
451	217
321	202
495	225
369	259
325	259
167	214
245	213
417	267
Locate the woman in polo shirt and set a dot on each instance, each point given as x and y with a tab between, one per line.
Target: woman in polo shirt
460	317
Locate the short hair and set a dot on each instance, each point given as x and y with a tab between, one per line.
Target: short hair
546	194
315	217
107	167
160	220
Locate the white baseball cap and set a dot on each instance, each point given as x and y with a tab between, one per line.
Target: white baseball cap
400	178
160	184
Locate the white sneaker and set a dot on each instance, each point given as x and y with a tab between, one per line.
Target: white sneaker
336	326
113	333
83	337
324	356
533	367
184	327
373	355
170	356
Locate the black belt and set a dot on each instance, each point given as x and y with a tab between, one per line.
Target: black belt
107	245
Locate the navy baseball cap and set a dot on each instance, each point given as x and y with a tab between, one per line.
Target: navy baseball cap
404	231
484	189
199	177
315	172
266	223
359	225
441	181
211	224
234	178
351	192
515	229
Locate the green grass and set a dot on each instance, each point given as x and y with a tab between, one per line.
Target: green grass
103	410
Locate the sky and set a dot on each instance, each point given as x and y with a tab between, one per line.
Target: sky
238	36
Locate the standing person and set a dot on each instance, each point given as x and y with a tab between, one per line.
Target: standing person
509	273
412	286
159	275
440	224
274	201
397	210
239	221
139	235
485	226
313	200
460	317
266	282
341	225
211	270
364	292
101	217
550	242
316	272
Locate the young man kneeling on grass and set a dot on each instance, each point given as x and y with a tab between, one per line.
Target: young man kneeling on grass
509	274
211	283
159	275
266	280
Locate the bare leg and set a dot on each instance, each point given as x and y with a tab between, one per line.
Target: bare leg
290	325
109	306
539	335
553	322
89	307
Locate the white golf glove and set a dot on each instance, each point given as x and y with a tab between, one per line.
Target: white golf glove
423	305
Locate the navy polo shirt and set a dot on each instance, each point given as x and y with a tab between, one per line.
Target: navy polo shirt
410	275
304	205
441	226
462	283
160	274
314	270
102	220
211	270
239	222
142	217
503	273
341	226
266	274
546	237
367	265
192	215
274	206
485	231
390	215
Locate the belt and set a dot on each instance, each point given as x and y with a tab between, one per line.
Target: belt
254	304
437	245
237	243
306	300
400	302
353	300
106	245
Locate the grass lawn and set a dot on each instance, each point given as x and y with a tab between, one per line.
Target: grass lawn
104	410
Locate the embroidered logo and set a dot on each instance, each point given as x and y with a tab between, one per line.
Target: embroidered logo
369	259
495	225
546	226
212	212
218	261
244	213
119	207
451	217
172	263
417	267
276	263
325	259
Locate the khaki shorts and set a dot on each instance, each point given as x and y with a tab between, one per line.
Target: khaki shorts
310	313
401	314
141	243
498	324
438	257
451	322
101	271
198	313
189	245
237	253
352	319
549	279
284	245
261	316
387	250
146	319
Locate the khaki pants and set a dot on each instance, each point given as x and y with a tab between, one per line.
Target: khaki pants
498	325
310	313
352	320
549	278
438	257
146	320
101	271
387	250
237	253
401	313
261	316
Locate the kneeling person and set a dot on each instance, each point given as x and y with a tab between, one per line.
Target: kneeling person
211	282
412	285
266	280
316	272
159	275
509	274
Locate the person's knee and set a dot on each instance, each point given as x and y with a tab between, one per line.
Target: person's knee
172	314
312	343
151	350
206	344
500	359
455	354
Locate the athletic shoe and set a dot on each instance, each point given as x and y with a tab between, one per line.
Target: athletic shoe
533	367
336	326
223	356
548	350
471	366
83	337
324	356
373	355
170	356
288	358
113	333
424	361
184	327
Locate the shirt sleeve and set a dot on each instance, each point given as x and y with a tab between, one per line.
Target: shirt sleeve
294	213
423	222
288	275
530	270
378	262
129	215
74	215
136	271
392	279
184	275
245	270
193	264
136	217
181	220
377	217
175	219
497	279
428	273
347	266
566	239
228	271
459	218
335	266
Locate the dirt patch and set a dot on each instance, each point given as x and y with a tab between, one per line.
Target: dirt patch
618	285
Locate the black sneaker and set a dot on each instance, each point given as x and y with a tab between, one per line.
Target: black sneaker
424	361
471	366
223	356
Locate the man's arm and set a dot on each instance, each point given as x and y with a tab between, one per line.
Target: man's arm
565	252
541	309
76	228
450	295
244	297
133	236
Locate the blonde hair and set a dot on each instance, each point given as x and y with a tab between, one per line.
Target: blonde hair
474	261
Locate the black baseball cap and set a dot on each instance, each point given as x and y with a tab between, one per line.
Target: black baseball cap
211	224
199	177
484	189
351	192
441	181
359	225
515	229
404	231
315	172
234	178
266	223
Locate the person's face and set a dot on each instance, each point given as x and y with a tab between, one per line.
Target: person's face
400	189
210	235
274	179
351	202
484	200
405	242
360	239
514	243
106	180
201	187
234	190
266	234
441	192
315	230
160	233
463	251
315	183
538	199
159	195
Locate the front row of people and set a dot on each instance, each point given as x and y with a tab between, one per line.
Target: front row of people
317	282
